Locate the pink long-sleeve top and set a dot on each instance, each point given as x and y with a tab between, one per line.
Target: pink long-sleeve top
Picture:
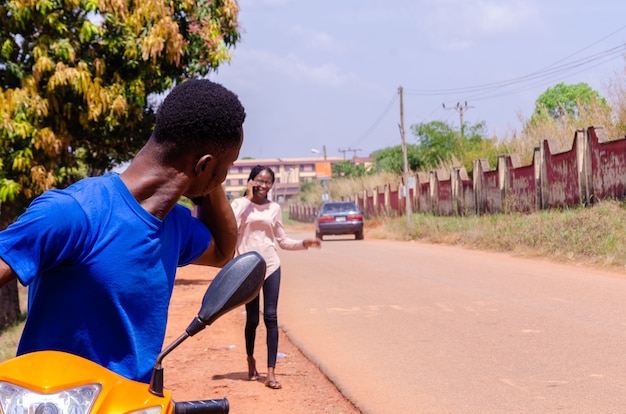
260	229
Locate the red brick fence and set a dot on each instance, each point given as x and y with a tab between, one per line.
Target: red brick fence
592	169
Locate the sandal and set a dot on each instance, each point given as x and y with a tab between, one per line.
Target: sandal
253	374
275	385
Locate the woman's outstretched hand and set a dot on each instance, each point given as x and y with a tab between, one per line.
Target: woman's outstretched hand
312	243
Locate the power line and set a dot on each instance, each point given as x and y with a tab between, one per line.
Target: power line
547	73
380	117
589	46
548	79
555	70
496	94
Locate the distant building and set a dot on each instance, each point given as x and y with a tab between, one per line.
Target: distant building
289	172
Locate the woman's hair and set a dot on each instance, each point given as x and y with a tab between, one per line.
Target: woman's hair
257	169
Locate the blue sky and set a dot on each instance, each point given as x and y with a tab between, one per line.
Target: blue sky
326	73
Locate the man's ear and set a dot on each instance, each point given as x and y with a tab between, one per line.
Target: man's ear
203	163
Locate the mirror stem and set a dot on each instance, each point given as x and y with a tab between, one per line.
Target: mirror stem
156	382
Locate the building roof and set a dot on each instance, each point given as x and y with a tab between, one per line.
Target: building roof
283	161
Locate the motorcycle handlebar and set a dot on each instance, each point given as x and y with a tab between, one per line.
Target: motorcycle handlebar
202	407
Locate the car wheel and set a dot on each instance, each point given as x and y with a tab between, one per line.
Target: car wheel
358	235
318	236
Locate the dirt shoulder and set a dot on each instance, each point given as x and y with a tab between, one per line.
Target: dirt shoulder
212	364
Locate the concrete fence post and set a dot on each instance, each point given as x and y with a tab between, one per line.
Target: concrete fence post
504	178
584	166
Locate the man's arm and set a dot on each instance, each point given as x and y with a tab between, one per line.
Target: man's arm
215	212
6	273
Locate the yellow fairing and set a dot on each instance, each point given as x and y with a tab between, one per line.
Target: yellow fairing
52	371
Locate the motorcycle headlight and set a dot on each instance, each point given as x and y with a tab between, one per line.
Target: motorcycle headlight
18	400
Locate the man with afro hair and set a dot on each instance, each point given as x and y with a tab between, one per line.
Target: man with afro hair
100	256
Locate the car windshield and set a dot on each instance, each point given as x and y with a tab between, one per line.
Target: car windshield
338	207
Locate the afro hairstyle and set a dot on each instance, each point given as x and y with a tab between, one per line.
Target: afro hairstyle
199	114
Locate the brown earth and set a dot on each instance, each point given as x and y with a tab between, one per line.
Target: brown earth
212	364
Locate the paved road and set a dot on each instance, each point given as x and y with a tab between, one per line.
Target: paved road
405	327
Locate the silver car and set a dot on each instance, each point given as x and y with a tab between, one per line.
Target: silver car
339	217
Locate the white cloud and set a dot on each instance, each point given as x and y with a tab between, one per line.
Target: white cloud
256	67
502	17
459	24
293	67
317	40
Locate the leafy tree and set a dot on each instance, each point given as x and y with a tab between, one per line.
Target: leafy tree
77	78
484	148
391	160
310	191
349	169
563	99
440	143
474	145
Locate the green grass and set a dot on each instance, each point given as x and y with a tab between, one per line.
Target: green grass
594	235
286	220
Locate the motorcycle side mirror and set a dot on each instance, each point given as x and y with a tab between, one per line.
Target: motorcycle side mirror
237	283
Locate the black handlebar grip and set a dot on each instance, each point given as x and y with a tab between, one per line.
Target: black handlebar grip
202	407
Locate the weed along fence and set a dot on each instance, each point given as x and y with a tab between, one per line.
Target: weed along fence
592	169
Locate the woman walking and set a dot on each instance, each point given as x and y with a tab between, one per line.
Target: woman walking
260	229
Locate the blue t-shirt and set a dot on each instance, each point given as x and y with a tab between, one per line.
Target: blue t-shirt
100	271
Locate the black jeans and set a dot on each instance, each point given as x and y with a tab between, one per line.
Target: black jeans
271	286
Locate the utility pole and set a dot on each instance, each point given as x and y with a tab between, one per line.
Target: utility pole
461	109
407	196
353	150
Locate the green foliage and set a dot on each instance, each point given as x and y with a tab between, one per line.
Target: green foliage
349	169
309	186
440	144
488	149
78	78
390	159
563	99
474	145
310	192
8	189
